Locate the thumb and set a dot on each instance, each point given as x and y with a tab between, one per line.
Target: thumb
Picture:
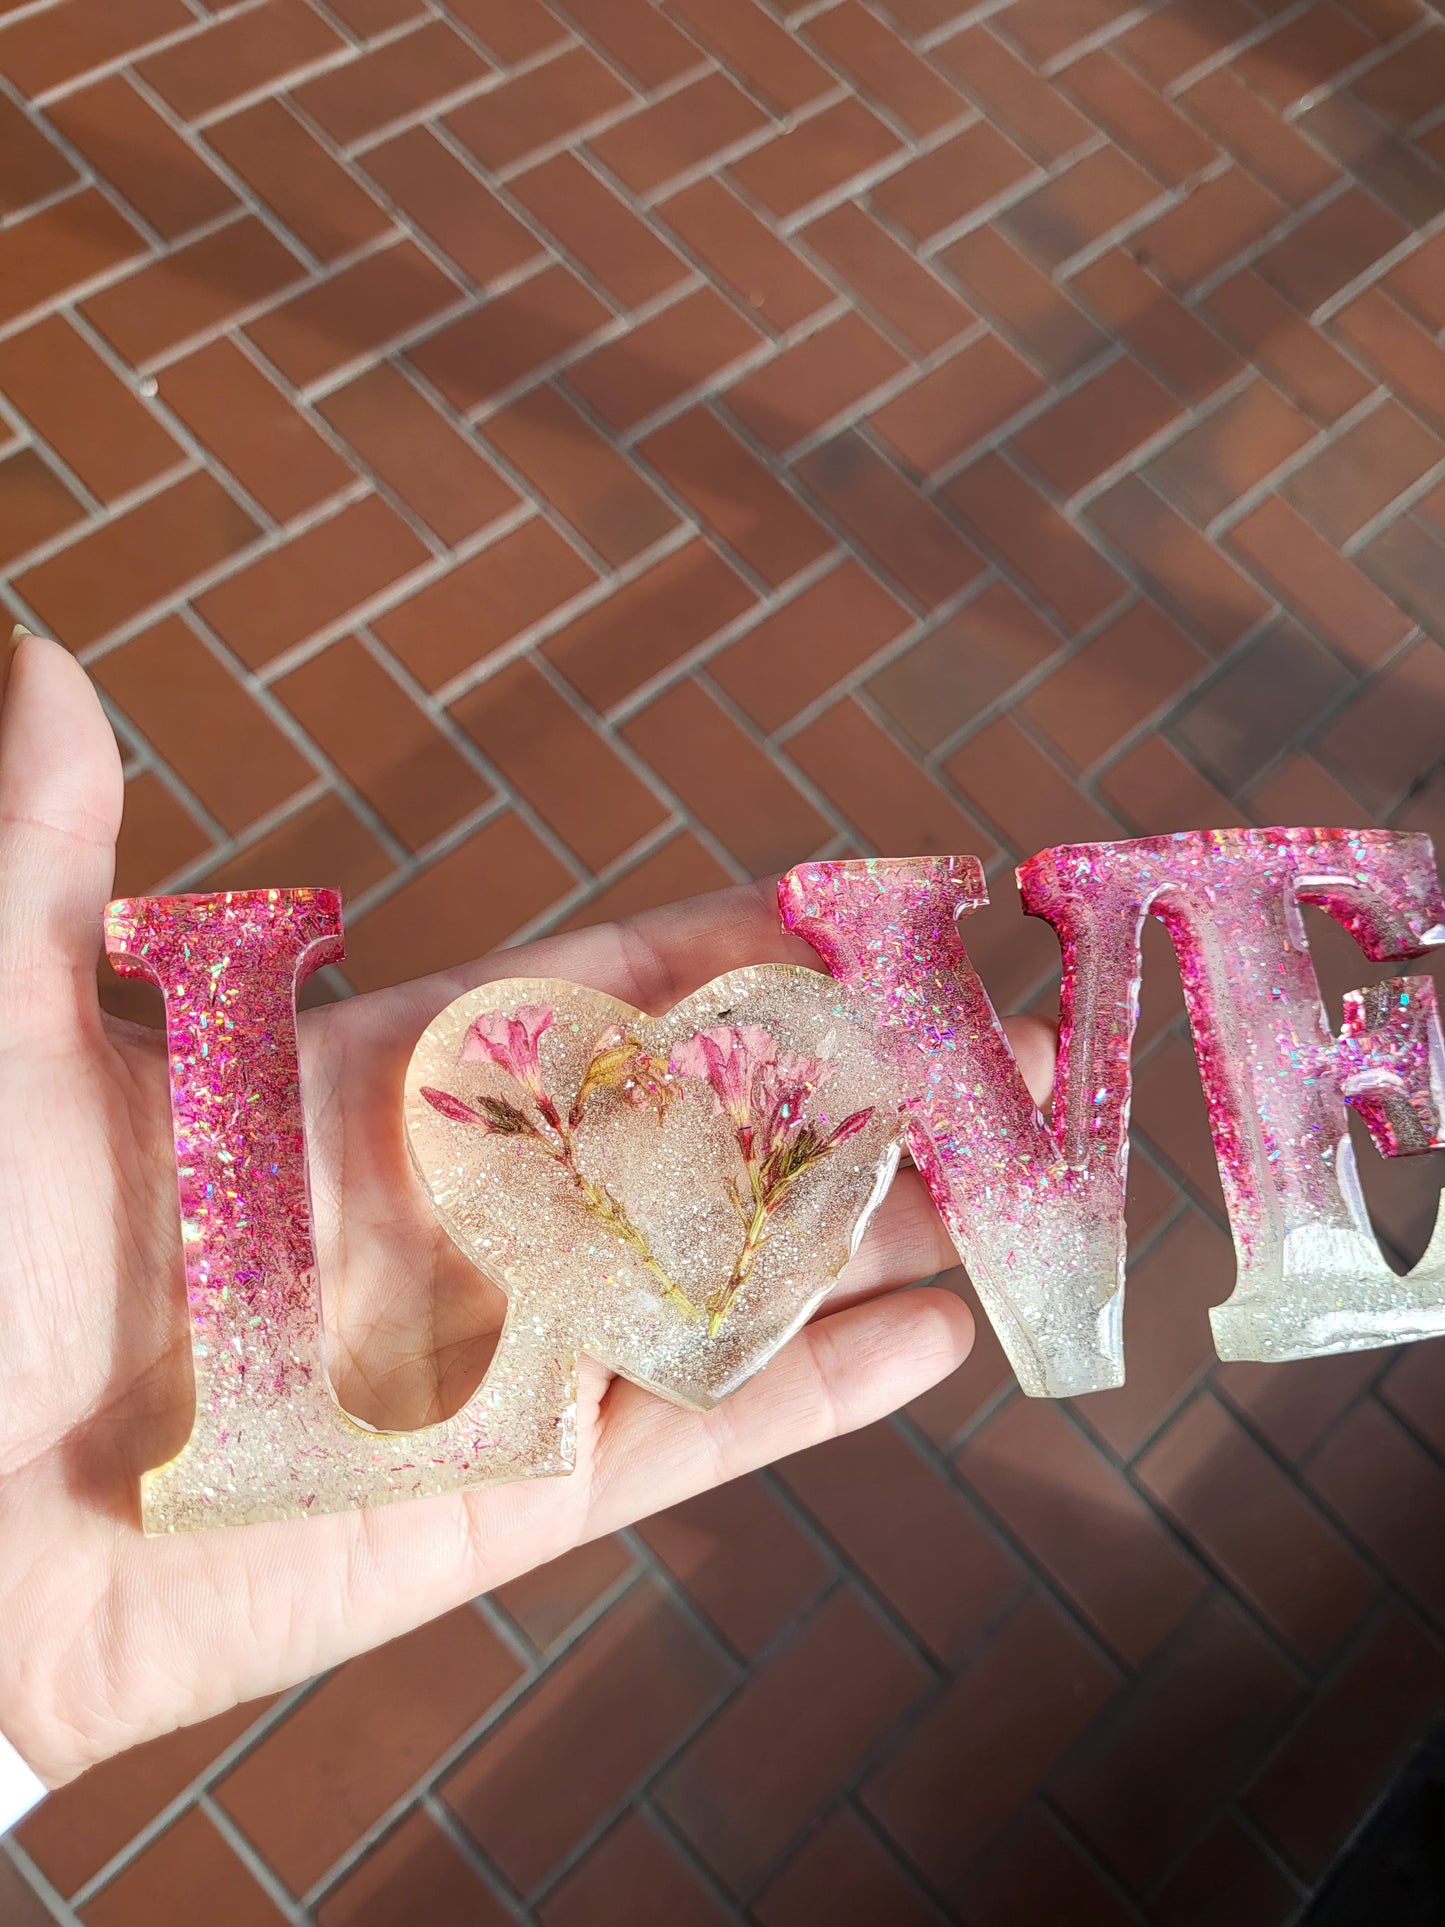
60	802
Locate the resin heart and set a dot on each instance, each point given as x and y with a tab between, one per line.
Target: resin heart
672	1195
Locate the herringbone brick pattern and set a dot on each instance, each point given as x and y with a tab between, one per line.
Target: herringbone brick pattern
526	461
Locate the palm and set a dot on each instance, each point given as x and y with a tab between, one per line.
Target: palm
119	1636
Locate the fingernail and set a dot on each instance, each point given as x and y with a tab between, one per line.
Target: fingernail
17	636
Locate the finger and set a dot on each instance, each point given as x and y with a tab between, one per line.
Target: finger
839	1373
61	791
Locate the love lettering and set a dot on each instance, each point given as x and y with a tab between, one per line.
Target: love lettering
688	1288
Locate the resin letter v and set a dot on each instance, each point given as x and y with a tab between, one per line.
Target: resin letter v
269	1439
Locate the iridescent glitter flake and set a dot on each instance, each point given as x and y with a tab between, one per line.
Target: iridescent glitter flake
672	1196
1036	1210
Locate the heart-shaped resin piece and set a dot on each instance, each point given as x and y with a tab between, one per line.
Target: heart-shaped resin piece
672	1195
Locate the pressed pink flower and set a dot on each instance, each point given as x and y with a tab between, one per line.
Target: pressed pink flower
510	1042
850	1127
451	1107
729	1056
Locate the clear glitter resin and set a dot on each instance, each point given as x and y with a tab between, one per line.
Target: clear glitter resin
672	1195
1036	1208
692	1219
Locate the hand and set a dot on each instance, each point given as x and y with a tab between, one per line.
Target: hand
109	1637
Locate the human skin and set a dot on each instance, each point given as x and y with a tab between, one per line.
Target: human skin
110	1637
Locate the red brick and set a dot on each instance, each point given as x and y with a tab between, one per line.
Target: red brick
1076	208
985	1376
736	791
325	839
887	278
815	158
1230	451
1142	1785
963	666
581	474
260	48
550	1600
772	63
597	229
632	1870
512	30
823	376
634	35
371	18
879	788
1044	29
1269	1543
1272	150
622	1696
558	100
1058	564
1350	1743
741	1789
140	154
463	905
1394	169
1296	357
449	204
178	1877
1407	86
659	360
286	596
138	558
82	1826
1418	283
763	273
1014	786
1221	218
336	1763
884	68
513	335
405	77
35	504
1183	35
742	1559
38	54
1038	1872
678	868
1325	590
84	412
1165	334
52	254
1402	354
648	624
675	135
1388	740
210	284
1023	302
1271	691
322	204
356	312
1001	1722
904	533
1411	1389
1303	55
1364	468
416	1859
1095	426
800	651
574	780
1144	124
483	602
732	493
268	445
1175	1343
1301	791
1153	787
1080	1519
415	779
1138	664
1330	249
968	397
953	180
909	1533
159	838
1228	1876
439	473
191	710
842	1874
1033	110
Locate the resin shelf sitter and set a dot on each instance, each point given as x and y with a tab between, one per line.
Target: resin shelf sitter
674	1194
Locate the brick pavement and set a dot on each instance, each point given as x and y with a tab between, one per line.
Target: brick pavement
523	462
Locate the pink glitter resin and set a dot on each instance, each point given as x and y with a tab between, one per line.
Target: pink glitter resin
269	1439
1036	1209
